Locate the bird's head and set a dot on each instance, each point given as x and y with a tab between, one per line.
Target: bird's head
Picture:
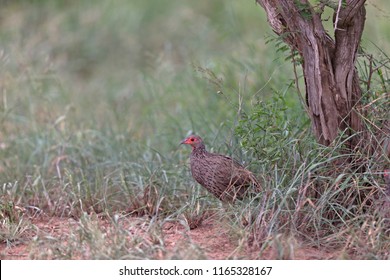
194	140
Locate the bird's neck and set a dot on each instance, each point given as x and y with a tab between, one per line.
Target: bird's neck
199	150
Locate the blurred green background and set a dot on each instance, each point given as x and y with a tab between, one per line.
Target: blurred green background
130	66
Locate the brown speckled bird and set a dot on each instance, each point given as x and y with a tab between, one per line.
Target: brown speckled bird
221	175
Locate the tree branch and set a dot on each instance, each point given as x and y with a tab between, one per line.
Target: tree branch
332	84
347	41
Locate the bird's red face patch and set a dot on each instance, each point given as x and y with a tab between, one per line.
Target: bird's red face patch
192	140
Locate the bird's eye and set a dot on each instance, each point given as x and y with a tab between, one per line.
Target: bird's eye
192	139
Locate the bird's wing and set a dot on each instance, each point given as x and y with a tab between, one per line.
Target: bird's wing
239	175
235	162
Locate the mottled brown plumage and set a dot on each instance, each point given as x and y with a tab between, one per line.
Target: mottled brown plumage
221	175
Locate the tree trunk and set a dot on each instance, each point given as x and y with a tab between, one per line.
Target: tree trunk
332	84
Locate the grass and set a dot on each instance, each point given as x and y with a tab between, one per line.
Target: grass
95	98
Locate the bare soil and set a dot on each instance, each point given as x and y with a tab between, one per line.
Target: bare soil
209	239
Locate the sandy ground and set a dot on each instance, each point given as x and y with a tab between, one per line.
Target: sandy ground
209	239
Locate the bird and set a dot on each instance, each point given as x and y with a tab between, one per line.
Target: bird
221	175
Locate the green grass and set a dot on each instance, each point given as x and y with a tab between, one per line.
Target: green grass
95	98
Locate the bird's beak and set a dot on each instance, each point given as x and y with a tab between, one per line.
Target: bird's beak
183	142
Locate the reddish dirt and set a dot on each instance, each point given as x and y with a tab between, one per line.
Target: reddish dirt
54	226
214	242
210	241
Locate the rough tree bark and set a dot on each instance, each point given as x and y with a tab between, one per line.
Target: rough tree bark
332	83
